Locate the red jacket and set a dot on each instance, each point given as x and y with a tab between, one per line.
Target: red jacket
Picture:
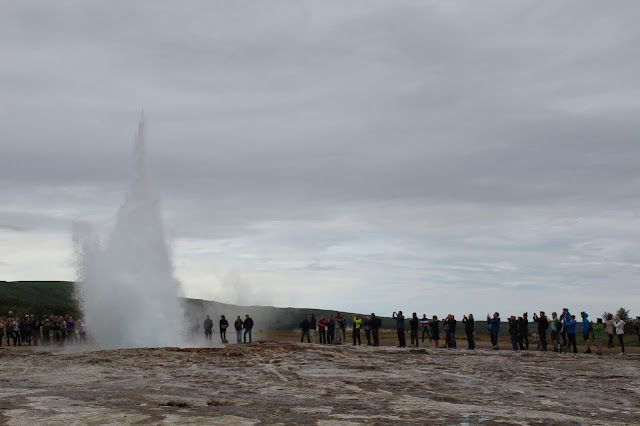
322	324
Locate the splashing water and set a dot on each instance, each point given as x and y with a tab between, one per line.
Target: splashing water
125	284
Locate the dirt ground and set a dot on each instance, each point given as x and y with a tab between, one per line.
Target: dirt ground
280	382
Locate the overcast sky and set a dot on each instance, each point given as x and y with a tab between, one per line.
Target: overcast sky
365	156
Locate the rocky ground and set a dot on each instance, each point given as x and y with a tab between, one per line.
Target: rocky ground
291	383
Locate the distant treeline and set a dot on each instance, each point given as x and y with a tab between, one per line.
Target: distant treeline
38	298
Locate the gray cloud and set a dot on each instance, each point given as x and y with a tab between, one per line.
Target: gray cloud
489	147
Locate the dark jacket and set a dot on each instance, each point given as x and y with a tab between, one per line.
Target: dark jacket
312	323
523	324
469	325
414	323
452	325
514	329
543	323
208	324
494	324
376	323
304	325
239	324
224	324
248	323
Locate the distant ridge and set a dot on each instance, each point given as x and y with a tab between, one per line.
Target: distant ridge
57	297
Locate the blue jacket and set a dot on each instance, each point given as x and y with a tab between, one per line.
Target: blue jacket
494	324
399	322
570	326
585	323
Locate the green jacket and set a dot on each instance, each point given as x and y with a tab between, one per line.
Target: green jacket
597	330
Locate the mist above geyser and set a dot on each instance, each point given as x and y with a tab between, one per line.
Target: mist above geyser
126	286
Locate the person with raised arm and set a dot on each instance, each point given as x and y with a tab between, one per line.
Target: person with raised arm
586	327
494	328
357	323
400	328
543	324
470	330
619	324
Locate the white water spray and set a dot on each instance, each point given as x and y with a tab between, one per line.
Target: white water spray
125	284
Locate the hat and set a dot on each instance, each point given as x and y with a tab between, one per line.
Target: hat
565	309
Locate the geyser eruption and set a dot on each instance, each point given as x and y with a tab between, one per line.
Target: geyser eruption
125	283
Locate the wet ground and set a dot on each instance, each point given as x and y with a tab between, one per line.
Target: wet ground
291	383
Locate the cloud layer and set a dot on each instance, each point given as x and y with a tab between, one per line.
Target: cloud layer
372	156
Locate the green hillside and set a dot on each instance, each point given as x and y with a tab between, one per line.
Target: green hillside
38	298
56	297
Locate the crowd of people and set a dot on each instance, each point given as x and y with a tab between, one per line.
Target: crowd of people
243	328
31	330
563	329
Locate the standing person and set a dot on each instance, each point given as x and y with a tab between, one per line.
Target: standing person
447	332
608	325
46	331
565	318
71	330
341	324
620	332
451	322
376	323
597	335
83	331
570	326
435	330
224	324
24	330
586	326
331	328
16	332
414	324
556	326
523	325
543	324
470	330
426	329
305	325
494	328
8	327
357	323
312	327
248	326
400	329
322	330
208	328
239	324
37	332
1	331
514	332
366	326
